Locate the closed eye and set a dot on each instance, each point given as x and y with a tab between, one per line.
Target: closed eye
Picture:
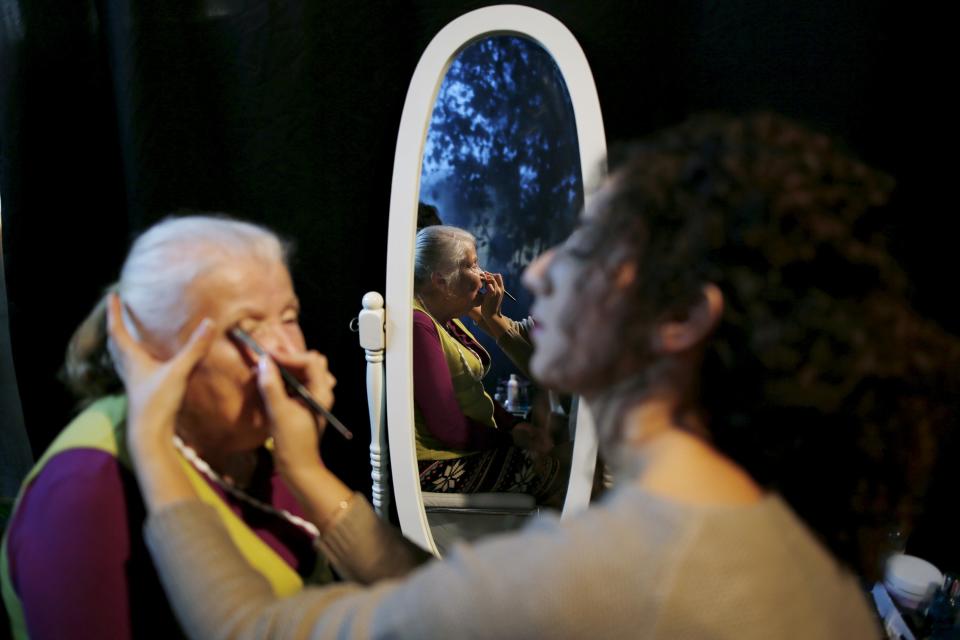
249	325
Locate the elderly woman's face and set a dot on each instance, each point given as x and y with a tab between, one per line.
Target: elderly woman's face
222	407
465	290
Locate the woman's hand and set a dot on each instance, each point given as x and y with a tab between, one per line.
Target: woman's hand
487	315
296	430
155	388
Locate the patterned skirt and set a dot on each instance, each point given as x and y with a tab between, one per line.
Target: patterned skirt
508	469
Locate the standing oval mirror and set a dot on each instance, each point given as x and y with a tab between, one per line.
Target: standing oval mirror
500	162
501	136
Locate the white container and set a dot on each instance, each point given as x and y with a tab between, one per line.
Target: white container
910	580
513	392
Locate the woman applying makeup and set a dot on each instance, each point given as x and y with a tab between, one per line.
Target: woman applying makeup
731	314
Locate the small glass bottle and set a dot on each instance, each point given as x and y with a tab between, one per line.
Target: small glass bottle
513	392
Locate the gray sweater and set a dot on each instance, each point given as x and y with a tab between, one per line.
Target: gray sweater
635	566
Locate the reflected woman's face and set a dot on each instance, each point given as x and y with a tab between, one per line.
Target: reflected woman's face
466	288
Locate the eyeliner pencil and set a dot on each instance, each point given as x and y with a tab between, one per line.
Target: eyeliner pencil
505	292
293	385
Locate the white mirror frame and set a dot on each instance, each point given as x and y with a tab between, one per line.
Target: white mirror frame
556	39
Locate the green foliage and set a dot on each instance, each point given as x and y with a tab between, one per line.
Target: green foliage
501	156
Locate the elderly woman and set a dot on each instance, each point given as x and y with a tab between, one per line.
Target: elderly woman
74	564
731	315
467	442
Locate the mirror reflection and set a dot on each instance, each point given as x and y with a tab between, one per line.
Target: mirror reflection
500	183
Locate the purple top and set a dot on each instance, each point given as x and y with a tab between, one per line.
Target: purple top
77	558
434	396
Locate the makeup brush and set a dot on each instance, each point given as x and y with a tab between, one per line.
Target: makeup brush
293	385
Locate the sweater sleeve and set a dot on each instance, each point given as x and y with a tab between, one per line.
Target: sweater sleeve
435	398
68	547
536	584
363	548
639	566
516	345
216	594
214	591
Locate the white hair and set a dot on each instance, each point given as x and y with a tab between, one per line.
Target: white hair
171	255
162	265
440	249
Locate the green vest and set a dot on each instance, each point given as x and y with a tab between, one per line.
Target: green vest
101	426
466	371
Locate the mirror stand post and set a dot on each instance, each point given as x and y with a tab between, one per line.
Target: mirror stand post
371	330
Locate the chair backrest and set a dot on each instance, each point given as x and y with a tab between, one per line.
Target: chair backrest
370	326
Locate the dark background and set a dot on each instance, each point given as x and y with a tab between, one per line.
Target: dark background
113	113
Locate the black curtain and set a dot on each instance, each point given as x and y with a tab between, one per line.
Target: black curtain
115	113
